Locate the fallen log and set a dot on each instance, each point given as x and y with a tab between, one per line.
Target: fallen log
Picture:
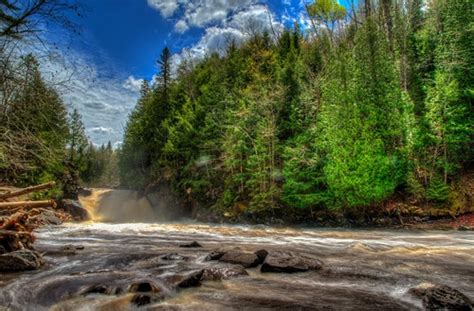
27	190
27	204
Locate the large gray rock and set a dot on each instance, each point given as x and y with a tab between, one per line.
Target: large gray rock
47	218
289	263
441	297
20	260
247	260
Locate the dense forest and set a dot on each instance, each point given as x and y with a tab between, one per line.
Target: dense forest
374	103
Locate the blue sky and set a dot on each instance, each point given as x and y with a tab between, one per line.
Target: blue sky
119	42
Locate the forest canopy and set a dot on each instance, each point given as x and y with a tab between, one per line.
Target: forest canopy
372	102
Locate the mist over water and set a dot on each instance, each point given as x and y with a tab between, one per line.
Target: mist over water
363	270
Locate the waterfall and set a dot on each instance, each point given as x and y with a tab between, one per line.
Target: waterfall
118	206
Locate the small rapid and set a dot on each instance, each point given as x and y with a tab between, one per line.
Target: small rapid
363	269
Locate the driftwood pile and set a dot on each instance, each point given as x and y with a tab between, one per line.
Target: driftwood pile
18	218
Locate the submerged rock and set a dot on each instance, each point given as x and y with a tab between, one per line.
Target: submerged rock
289	263
248	260
441	297
141	300
191	245
223	271
173	256
21	260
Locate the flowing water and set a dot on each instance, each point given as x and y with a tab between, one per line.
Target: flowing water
363	270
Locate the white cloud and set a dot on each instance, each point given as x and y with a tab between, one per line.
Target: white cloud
199	13
103	102
166	7
237	27
101	130
181	26
133	84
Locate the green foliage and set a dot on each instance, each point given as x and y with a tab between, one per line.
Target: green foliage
305	182
438	191
77	140
341	118
327	11
33	136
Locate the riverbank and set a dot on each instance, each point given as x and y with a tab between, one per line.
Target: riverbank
438	220
20	216
119	206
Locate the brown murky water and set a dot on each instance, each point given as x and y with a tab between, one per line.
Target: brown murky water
363	270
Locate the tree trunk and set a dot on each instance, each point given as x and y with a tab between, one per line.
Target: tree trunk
27	204
27	190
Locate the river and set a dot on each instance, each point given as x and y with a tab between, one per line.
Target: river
363	269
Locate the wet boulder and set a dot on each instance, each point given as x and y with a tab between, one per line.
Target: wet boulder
146	292
65	250
21	260
223	271
218	253
75	209
215	255
247	260
191	245
261	254
187	280
191	280
101	289
441	297
287	262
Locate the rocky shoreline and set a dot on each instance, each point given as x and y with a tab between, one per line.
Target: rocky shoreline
441	220
17	252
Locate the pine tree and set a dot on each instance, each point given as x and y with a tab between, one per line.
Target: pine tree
77	139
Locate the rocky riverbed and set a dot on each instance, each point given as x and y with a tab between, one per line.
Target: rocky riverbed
191	266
